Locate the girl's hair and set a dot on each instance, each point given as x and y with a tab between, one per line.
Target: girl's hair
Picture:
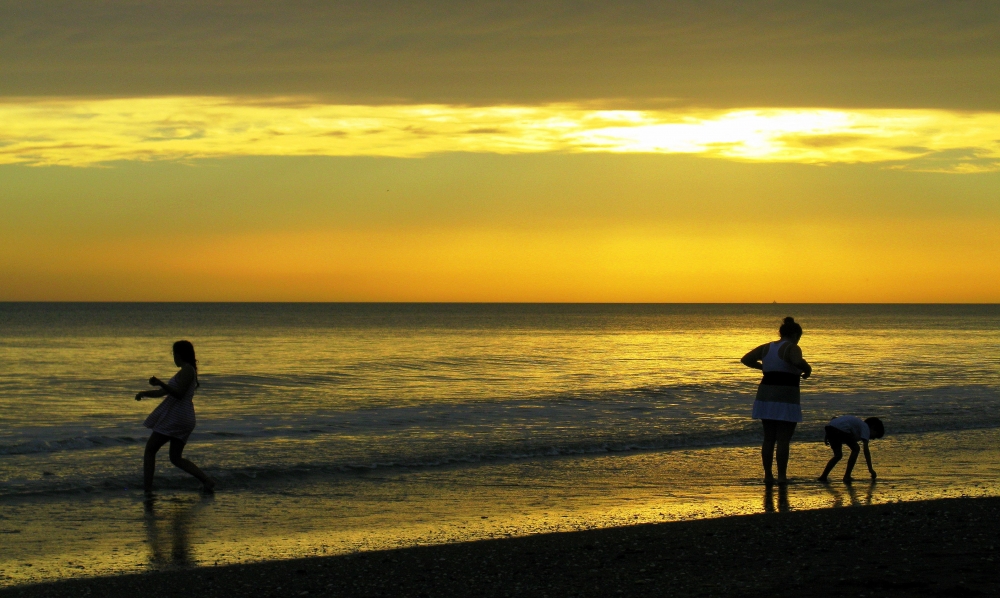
875	427
790	329
184	351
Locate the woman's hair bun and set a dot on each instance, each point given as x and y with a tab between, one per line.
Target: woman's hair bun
790	328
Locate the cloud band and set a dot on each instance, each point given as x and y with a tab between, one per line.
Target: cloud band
88	132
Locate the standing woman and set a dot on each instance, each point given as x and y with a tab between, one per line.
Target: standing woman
173	420
777	404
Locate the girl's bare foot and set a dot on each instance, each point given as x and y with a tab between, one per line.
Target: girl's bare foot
768	480
782	481
208	486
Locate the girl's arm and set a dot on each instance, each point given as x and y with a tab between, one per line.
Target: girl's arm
152	394
754	358
184	379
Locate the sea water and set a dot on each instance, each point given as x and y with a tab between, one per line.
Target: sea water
336	427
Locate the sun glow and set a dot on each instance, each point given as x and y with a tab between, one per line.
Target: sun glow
96	131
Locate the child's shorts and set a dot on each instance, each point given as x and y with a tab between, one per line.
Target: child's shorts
836	438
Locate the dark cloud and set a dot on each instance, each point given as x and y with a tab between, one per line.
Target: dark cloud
709	53
823	141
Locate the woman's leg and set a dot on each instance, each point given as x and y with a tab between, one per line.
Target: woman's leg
767	449
176	448
156	440
784	437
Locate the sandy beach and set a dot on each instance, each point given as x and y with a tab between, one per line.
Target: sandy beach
929	548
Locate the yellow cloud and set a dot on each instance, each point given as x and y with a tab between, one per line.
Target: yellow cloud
85	132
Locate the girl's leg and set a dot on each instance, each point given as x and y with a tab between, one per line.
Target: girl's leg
156	440
176	448
767	449
784	436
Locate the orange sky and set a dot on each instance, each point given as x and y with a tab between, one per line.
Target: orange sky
698	152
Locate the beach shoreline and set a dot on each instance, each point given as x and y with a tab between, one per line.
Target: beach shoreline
945	547
118	532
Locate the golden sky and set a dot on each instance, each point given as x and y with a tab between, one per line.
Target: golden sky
548	151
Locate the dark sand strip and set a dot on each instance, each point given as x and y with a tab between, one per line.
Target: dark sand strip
934	548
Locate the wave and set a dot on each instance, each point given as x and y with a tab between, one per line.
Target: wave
638	414
243	477
66	444
276	477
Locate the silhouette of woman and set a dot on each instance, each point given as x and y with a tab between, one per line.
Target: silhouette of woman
173	420
777	402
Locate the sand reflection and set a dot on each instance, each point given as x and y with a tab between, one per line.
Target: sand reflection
769	495
168	526
849	495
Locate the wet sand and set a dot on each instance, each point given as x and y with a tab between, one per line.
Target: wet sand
930	548
117	532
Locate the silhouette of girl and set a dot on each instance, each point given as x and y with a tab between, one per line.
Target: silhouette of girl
777	402
173	420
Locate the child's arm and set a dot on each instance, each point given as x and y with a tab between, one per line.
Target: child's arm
868	459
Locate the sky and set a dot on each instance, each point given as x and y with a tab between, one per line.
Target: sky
709	151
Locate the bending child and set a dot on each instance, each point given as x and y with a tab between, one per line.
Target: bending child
848	430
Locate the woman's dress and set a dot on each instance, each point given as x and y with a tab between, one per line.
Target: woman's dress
778	393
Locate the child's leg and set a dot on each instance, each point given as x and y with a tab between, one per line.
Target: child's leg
784	438
852	459
838	453
767	449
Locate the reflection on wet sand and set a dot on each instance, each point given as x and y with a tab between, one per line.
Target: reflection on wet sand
108	533
852	494
769	506
168	525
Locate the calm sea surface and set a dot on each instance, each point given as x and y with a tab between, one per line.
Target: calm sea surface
293	390
334	428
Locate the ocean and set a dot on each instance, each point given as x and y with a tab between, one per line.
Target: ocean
338	427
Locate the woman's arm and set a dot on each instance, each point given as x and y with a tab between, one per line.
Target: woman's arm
793	356
754	358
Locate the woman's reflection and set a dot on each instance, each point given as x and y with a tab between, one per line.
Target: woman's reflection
769	498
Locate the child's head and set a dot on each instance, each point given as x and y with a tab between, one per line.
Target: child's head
875	427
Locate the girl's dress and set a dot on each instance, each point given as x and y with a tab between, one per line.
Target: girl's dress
174	416
778	393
